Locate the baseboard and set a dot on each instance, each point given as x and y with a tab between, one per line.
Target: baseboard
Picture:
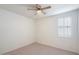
56	47
18	47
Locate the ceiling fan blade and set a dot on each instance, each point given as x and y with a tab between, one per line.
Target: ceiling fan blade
35	14
31	9
46	7
38	6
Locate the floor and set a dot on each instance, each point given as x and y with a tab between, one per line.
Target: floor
39	49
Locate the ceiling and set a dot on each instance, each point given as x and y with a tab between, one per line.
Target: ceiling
22	9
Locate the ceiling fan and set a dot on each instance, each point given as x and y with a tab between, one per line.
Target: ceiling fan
38	8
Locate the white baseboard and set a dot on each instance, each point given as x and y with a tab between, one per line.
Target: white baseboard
18	47
44	43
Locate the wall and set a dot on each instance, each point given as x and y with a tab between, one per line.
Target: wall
15	31
78	33
47	33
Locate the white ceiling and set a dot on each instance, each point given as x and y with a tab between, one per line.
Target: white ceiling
22	9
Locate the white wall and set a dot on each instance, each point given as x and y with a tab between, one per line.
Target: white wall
78	33
47	33
15	31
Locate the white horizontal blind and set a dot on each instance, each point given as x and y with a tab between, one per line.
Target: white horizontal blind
64	26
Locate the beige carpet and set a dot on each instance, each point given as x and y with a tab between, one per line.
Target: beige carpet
39	49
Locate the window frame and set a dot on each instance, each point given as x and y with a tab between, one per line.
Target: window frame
65	35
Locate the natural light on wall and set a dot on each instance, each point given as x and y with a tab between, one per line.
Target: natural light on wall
64	27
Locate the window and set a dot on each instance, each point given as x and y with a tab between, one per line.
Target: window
64	27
